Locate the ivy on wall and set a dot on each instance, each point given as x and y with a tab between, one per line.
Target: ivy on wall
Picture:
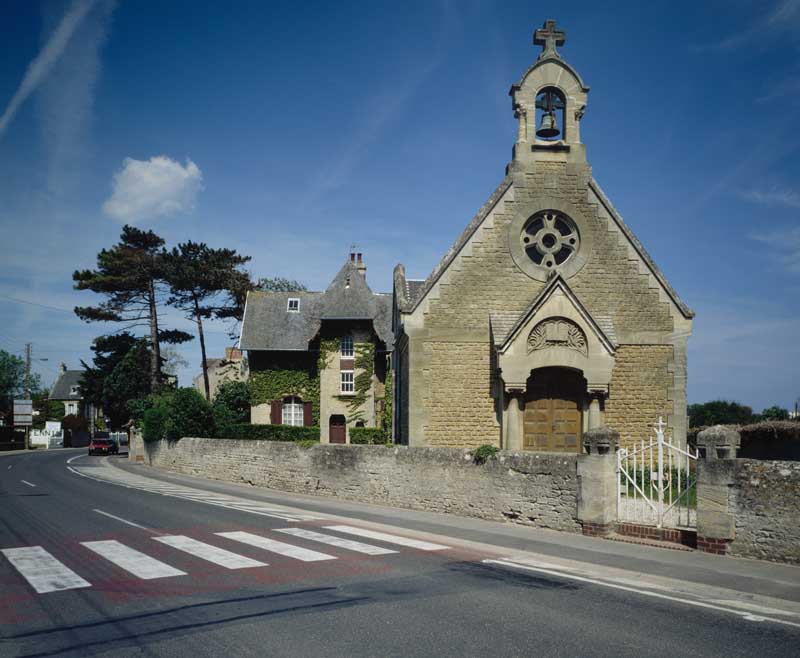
362	383
388	399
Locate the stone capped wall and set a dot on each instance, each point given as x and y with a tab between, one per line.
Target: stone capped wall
640	391
764	500
533	489
458	395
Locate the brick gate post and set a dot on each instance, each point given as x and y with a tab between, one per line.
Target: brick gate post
597	481
716	465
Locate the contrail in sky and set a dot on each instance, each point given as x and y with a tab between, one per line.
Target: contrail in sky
43	62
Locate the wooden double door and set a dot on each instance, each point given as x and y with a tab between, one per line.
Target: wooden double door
553	416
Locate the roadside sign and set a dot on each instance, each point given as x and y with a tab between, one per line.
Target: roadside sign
23	412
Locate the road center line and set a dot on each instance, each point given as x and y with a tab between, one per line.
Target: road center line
30	484
699	604
121	520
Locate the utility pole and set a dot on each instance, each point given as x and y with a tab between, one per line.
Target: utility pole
27	390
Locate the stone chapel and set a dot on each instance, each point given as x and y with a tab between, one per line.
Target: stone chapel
547	317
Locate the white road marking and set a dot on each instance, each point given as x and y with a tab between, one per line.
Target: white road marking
699	604
30	484
277	546
214	554
390	539
42	571
121	520
140	565
349	544
9	467
72	459
149	485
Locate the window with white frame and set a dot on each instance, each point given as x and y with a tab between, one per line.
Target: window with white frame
73	389
293	305
347	346
348	381
292	412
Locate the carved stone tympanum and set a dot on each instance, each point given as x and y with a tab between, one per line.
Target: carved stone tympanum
557	332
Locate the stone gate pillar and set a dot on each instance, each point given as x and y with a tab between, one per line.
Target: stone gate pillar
597	481
716	467
512	430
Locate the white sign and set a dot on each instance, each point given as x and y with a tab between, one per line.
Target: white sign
23	412
52	426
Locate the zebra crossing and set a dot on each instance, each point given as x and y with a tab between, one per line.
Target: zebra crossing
45	573
119	477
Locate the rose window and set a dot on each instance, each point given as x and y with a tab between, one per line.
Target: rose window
550	238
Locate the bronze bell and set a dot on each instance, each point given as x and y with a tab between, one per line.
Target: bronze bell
549	127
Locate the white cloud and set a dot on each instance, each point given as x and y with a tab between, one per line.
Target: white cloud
774	197
158	187
47	57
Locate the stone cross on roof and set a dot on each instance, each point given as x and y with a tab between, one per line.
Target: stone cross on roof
549	37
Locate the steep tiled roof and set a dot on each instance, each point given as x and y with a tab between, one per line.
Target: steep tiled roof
268	325
62	389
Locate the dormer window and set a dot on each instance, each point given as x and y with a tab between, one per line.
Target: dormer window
293	305
347	346
73	389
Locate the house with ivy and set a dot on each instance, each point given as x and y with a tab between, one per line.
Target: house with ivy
321	358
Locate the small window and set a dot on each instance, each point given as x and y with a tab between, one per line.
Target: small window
293	305
348	381
73	390
292	411
347	346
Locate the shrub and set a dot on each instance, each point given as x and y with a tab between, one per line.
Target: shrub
154	421
75	423
773	439
369	436
231	405
484	453
246	431
189	415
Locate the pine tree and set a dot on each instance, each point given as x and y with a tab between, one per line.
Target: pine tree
206	283
129	275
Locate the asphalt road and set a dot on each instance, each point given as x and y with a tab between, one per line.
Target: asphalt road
138	555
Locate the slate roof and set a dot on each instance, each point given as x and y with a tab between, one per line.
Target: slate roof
267	325
63	385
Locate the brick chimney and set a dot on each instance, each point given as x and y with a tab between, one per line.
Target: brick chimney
361	267
233	354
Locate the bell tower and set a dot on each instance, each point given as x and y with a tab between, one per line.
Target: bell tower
549	102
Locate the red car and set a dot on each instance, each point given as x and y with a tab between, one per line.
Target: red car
103	447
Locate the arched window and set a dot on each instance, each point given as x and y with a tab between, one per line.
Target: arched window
550	114
292	412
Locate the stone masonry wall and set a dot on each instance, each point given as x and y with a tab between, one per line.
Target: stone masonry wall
458	395
764	501
639	394
533	489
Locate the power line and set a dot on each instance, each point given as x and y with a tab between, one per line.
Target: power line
25	301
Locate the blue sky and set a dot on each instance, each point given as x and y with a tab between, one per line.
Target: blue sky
290	130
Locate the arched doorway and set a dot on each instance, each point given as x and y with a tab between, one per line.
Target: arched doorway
337	429
553	417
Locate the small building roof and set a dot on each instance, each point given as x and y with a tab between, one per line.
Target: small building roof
63	386
268	323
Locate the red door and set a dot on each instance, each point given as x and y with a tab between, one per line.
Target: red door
337	430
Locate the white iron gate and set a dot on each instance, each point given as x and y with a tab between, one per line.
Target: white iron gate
656	483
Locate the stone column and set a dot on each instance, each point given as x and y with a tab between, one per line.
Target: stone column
597	482
716	471
512	434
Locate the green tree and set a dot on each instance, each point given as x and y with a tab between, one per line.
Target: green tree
279	284
719	412
231	405
129	276
108	352
12	379
775	413
128	381
205	283
47	409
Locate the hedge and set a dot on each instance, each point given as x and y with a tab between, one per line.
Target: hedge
246	431
369	436
770	439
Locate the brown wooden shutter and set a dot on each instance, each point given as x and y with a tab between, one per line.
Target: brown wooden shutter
276	412
307	411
